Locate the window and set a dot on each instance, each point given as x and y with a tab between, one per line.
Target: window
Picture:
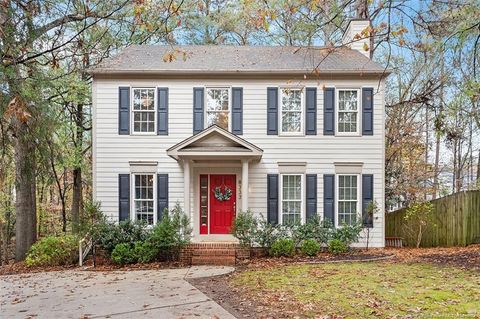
218	107
143	110
291	117
291	199
143	200
348	111
347	199
203	204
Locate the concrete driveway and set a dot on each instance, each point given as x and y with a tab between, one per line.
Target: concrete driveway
117	294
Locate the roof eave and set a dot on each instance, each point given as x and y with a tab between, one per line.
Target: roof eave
236	72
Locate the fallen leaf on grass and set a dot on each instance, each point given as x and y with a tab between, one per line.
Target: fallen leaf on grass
17	300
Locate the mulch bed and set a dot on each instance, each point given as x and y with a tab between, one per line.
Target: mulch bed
102	264
462	257
230	298
20	268
323	257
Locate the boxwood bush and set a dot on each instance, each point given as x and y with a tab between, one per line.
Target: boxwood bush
282	247
337	246
53	251
123	254
310	247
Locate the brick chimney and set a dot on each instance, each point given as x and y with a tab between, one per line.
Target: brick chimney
357	36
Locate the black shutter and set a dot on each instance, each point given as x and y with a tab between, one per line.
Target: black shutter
311	111
329	197
367	198
162	195
329	111
124	110
237	111
123	197
162	114
367	111
198	102
272	198
272	111
311	193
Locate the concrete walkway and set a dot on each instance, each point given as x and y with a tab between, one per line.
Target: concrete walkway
117	294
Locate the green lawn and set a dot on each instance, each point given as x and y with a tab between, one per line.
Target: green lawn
364	290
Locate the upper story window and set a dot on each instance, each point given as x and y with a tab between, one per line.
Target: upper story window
348	204
143	198
291	196
143	109
348	102
291	111
218	107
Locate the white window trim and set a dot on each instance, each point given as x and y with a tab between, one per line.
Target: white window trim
205	111
302	197
132	196
132	122
359	110
302	112
337	197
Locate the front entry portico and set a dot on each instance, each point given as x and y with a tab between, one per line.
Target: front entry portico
215	170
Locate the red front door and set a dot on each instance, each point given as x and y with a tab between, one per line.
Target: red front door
222	212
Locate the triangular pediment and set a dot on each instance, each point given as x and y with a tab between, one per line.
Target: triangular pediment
214	141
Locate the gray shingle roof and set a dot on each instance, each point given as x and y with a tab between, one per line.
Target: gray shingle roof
237	59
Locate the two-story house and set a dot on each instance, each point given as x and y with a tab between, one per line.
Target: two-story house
286	132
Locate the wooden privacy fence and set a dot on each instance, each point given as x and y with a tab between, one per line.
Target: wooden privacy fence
456	218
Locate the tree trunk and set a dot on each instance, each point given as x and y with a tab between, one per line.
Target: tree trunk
76	198
25	206
436	169
459	179
427	144
454	179
438	127
362	9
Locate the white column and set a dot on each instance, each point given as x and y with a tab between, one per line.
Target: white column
186	188
244	185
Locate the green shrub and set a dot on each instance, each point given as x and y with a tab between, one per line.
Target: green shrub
53	251
244	228
337	246
91	216
310	247
268	233
108	235
348	233
123	254
418	217
172	233
282	247
145	252
315	228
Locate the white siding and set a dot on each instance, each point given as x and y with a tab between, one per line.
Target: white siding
112	152
356	27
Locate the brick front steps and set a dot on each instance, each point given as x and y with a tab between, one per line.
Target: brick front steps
221	254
